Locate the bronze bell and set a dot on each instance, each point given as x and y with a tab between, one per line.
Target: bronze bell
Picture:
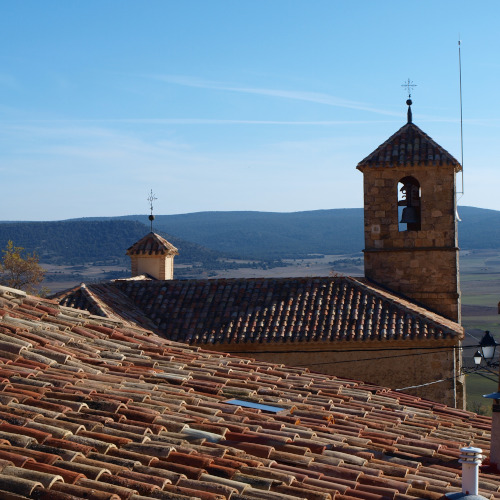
410	216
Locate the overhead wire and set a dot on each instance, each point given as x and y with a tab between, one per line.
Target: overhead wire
431	350
475	372
369	359
382	349
483	375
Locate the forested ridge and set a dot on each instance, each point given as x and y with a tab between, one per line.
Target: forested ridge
90	241
267	235
204	237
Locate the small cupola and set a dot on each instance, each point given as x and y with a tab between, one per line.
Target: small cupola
154	256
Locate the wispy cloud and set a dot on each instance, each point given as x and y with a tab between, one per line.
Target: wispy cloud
299	95
204	121
208	121
74	139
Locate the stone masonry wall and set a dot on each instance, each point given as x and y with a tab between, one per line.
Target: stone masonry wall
422	265
429	277
396	364
437	208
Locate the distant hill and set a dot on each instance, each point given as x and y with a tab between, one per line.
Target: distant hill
268	235
479	228
204	237
84	241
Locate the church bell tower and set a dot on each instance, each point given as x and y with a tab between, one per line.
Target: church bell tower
411	244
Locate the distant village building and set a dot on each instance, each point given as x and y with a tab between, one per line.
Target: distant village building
399	327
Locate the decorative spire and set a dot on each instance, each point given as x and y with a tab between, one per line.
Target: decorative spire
409	102
151	198
408	85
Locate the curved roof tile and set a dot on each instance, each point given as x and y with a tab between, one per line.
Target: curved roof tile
265	310
152	244
126	413
409	146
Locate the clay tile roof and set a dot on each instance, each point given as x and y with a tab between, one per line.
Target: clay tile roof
264	310
91	407
152	244
409	146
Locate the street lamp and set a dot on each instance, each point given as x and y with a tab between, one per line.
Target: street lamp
488	346
478	357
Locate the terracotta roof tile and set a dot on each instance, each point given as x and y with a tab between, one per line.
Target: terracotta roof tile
152	244
115	411
121	492
409	146
265	310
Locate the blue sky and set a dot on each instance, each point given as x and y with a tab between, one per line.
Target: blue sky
233	105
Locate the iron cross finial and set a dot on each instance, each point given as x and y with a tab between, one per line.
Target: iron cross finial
408	85
151	198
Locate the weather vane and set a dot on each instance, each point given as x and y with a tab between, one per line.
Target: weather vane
408	85
151	198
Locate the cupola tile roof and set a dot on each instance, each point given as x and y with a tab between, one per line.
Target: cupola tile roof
91	407
264	310
409	146
152	244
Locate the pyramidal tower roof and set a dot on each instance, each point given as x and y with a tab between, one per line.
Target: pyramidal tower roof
409	146
152	244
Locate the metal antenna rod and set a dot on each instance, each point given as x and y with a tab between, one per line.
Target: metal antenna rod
461	118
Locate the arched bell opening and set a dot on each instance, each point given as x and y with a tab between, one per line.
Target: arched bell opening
409	216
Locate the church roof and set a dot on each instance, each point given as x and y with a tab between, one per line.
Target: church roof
265	310
409	146
95	300
152	244
93	408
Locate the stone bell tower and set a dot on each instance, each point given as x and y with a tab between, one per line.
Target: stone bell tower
411	244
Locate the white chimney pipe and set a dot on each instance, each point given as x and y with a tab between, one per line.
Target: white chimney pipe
470	459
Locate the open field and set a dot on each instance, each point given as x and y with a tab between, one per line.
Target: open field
480	284
59	278
63	277
321	265
477	386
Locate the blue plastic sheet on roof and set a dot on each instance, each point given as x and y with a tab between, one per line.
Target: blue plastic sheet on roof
248	404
